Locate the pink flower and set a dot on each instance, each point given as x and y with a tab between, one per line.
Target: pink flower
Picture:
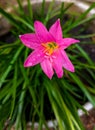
49	49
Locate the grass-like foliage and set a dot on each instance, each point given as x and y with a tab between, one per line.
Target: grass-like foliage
26	94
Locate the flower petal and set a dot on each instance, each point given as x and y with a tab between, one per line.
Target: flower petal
66	42
42	33
57	64
66	62
47	67
30	40
56	30
34	58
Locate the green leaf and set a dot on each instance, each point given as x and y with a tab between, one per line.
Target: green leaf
2	79
30	9
84	54
11	19
82	87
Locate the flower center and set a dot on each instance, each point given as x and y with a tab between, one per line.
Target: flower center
50	47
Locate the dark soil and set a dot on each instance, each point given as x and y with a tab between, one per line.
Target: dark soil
89	120
90	49
8	38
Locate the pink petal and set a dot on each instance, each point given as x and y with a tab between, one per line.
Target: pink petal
34	58
66	42
66	62
56	30
30	40
57	64
47	67
42	33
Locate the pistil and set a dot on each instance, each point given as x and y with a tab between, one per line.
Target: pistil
50	47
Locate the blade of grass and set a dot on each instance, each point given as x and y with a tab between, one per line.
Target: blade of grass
2	79
11	19
49	12
14	87
55	109
84	14
30	9
82	87
41	109
42	9
85	36
62	107
20	7
84	54
24	22
32	92
79	23
66	8
20	107
81	19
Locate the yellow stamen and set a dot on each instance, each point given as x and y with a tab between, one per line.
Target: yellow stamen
50	47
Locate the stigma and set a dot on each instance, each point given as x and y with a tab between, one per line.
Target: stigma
49	47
